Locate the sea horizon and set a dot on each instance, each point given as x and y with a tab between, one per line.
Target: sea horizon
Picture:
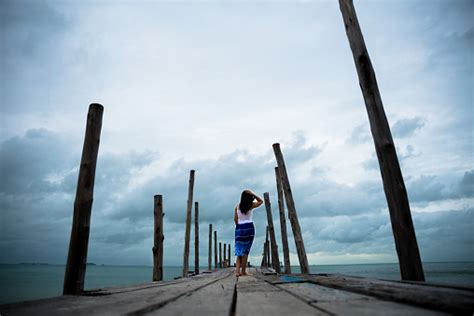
28	281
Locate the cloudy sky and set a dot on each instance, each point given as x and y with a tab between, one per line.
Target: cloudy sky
210	86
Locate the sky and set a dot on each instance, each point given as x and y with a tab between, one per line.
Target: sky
210	86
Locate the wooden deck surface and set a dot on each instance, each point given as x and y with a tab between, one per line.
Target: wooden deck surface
262	293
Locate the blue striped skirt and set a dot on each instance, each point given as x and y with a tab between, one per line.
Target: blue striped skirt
244	234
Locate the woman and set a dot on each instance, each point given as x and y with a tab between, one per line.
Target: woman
244	229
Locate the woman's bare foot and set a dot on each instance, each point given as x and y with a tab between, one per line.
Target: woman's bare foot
237	274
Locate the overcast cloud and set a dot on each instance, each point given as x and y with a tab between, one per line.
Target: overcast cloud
211	86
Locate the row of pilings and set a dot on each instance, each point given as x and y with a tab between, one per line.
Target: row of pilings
393	184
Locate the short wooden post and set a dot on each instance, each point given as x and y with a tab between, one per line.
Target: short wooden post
397	199
220	255
225	255
284	235
264	255
188	224
215	249
271	230
196	238
209	255
158	240
228	256
290	204
78	244
267	242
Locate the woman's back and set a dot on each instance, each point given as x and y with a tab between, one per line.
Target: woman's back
244	217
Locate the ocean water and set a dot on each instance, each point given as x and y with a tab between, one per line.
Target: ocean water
19	282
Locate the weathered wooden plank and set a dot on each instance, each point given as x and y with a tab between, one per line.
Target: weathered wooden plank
79	242
341	302
255	297
133	301
158	239
284	234
452	300
225	255
271	231
290	204
196	237
188	224
214	299
394	186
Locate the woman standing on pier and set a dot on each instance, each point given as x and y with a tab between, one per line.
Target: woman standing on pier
244	229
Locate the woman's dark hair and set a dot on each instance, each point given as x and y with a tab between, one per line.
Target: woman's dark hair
246	201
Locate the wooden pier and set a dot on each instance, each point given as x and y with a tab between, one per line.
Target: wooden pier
262	293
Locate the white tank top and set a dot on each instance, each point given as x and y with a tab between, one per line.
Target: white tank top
244	218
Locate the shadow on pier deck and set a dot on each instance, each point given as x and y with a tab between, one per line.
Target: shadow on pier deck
262	293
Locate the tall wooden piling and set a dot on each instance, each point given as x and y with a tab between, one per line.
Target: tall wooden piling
397	199
209	252
78	244
225	255
264	255
188	224
271	231
284	235
196	237
228	256
220	255
215	249
290	204
158	239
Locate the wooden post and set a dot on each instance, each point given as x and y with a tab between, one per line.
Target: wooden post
209	254
284	235
271	230
215	249
220	255
196	238
264	255
397	199
225	255
158	240
228	256
267	250
78	244
188	224
290	204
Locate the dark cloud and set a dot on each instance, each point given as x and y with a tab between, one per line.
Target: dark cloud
466	185
360	134
407	127
40	172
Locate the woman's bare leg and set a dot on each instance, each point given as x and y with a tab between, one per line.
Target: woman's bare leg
238	262
244	265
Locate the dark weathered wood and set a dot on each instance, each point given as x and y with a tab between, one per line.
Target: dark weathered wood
220	255
228	256
131	300
158	239
264	255
284	234
340	302
268	252
225	255
213	299
187	234
292	215
209	254
255	297
394	186
271	231
78	244
196	237
444	298
215	249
